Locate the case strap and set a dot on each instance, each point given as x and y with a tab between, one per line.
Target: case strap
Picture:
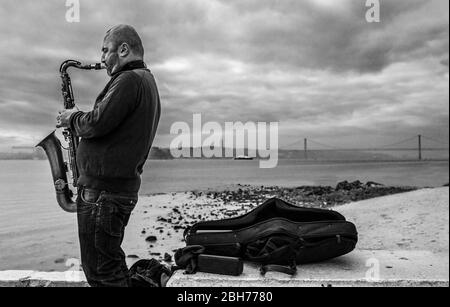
289	270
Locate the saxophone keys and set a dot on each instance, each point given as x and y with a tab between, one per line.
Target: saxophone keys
60	185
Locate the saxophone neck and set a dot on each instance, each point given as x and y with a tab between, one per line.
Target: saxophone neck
72	63
67	92
67	64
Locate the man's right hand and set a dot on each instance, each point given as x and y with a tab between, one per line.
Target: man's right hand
63	119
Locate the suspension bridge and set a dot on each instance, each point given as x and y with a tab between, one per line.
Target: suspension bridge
419	143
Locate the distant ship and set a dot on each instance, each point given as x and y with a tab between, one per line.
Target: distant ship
243	158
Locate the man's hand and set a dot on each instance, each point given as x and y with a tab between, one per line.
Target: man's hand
64	117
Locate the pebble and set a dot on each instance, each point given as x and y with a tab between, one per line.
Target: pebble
151	239
167	257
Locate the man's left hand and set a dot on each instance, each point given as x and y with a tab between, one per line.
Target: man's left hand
63	119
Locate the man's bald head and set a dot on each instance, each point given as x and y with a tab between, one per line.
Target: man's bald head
126	34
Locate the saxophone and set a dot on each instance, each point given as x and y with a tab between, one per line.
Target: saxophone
54	150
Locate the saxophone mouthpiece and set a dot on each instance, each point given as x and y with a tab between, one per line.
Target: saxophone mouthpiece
98	66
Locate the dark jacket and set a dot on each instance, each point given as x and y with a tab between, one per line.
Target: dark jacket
118	134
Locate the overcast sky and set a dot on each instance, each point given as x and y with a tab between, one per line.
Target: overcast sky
315	66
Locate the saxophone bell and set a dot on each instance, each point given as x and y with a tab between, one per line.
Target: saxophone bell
64	195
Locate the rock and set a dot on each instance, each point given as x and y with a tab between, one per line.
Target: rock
372	184
151	239
60	260
167	257
347	186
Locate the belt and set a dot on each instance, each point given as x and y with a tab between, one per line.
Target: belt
91	195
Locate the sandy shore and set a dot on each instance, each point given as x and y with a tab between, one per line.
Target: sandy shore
419	221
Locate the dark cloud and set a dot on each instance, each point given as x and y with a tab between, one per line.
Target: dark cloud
337	36
316	66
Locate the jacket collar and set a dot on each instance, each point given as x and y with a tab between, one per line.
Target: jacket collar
131	66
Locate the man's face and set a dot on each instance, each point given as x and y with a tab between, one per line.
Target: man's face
110	57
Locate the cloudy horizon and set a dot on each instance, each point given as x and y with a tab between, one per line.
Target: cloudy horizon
315	66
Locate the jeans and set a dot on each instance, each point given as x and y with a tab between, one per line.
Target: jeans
102	218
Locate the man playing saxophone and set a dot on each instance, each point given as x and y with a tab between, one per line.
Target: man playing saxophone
116	137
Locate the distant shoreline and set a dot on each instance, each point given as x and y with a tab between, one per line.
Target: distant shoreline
283	159
328	155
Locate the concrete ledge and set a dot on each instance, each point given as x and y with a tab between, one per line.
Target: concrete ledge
359	269
363	268
42	279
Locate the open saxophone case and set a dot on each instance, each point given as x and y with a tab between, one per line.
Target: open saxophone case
276	235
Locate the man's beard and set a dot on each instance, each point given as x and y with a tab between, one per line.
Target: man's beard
109	71
112	66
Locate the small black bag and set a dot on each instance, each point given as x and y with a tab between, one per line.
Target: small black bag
277	235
